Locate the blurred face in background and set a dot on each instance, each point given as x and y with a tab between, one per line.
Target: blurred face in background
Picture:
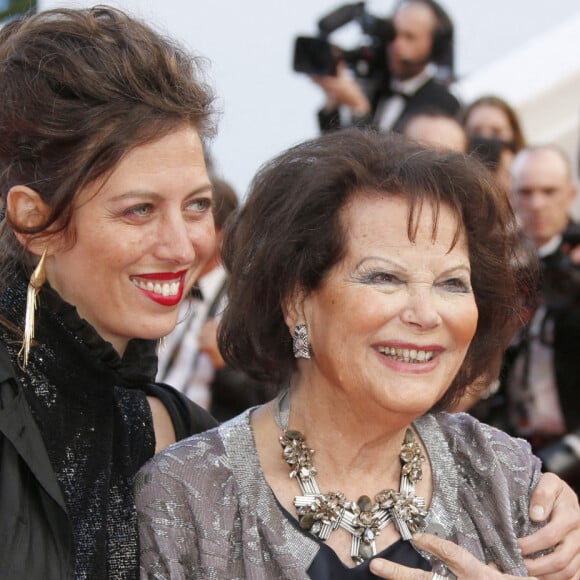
437	132
410	51
489	121
542	193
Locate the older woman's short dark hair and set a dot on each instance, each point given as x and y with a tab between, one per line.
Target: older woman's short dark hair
289	234
80	88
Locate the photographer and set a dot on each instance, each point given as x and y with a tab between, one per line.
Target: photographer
541	379
421	39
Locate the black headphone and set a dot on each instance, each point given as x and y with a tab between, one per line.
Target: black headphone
442	43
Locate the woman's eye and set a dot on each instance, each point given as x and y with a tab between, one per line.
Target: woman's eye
141	210
456	285
199	205
382	278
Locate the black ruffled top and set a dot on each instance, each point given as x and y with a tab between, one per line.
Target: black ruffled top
95	422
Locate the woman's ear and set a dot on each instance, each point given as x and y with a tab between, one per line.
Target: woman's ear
293	308
27	210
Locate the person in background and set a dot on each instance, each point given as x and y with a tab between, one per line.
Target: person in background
423	37
372	280
432	128
496	155
542	366
492	117
107	225
495	135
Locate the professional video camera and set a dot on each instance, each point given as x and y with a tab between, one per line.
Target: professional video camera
317	56
561	277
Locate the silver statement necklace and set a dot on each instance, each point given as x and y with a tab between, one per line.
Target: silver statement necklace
322	513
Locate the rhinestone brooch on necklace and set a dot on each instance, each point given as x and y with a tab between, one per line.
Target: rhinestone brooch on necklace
322	513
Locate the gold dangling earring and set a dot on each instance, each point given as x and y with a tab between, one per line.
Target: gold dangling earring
35	283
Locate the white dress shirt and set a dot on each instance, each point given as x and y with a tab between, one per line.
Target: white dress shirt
389	110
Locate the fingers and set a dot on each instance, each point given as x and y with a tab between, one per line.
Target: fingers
344	90
391	571
544	539
562	564
208	332
571	571
457	559
544	496
560	505
341	68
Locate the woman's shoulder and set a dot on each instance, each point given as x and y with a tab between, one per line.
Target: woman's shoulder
464	432
197	461
179	458
485	449
463	428
482	479
188	417
180	483
190	484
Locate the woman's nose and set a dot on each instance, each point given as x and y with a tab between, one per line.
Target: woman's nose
174	241
421	308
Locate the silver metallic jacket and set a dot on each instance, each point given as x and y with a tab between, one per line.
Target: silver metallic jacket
206	511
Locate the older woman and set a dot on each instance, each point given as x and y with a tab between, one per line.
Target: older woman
108	223
373	280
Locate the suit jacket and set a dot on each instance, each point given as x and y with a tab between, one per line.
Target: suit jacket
561	289
431	95
560	293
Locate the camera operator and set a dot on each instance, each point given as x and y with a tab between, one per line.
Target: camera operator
541	378
423	38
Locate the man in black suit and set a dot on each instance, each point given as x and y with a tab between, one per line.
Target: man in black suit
423	39
541	379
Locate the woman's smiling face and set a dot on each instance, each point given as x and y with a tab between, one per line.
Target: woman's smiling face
392	322
140	239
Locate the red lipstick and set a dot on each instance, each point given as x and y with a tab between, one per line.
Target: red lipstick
163	280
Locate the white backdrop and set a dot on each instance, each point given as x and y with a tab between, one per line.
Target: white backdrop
265	106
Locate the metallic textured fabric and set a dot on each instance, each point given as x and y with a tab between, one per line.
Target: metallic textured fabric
96	425
207	512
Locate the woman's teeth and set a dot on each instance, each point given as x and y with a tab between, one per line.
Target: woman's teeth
162	288
407	354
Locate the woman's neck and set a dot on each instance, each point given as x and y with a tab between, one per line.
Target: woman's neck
352	444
